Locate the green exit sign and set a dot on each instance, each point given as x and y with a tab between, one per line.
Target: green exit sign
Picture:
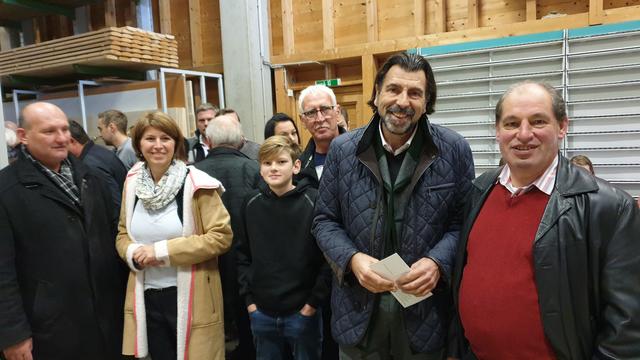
329	82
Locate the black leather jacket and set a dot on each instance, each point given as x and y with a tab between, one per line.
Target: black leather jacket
587	267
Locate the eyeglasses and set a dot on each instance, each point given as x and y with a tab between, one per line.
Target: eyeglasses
313	114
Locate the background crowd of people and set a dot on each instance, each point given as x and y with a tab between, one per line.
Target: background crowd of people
215	246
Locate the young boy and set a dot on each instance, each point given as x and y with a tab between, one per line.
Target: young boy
282	274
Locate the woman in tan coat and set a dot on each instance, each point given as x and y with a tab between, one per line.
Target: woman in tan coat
173	226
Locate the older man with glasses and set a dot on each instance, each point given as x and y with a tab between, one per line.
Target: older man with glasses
319	113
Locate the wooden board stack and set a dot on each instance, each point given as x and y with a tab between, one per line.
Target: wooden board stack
125	48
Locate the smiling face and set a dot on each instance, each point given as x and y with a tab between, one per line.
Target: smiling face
401	100
46	134
287	129
157	148
278	171
528	133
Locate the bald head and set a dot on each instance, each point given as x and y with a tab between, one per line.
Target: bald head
224	130
39	110
45	133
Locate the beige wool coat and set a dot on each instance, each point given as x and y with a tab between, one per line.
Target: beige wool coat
206	235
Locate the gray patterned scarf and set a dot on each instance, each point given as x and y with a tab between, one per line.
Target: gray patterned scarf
156	196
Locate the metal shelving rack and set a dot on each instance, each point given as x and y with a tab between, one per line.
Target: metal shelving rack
597	70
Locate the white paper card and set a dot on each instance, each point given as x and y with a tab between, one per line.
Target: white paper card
391	268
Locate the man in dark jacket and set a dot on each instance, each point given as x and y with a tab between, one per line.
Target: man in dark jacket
239	176
319	113
396	186
199	145
105	163
60	293
548	264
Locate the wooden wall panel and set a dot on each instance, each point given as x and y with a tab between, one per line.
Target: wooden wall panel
307	23
350	21
155	10
367	31
563	7
97	16
395	19
180	27
613	4
275	25
502	12
457	14
211	32
349	72
436	12
125	13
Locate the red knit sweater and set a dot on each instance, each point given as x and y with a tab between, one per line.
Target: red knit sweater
498	296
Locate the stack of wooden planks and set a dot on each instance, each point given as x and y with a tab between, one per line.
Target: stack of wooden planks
125	48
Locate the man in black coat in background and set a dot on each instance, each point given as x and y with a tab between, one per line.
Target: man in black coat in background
239	175
105	163
60	295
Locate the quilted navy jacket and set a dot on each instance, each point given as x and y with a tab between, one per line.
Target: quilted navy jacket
349	218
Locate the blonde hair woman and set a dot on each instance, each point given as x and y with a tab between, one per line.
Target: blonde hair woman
173	226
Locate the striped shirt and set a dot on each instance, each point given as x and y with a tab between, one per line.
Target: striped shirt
544	183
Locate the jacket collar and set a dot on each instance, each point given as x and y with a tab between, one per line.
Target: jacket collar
86	149
223	150
569	180
372	130
30	177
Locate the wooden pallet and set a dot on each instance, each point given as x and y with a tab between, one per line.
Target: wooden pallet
127	48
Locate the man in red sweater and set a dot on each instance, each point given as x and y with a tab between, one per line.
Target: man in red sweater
548	264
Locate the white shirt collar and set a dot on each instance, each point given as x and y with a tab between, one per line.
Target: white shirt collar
544	183
202	142
402	148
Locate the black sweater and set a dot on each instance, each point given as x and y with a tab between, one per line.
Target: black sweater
280	267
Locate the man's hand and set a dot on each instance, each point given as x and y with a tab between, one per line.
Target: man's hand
307	310
360	266
251	308
146	256
421	279
19	351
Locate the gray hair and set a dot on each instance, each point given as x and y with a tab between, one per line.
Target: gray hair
224	130
558	106
315	90
10	137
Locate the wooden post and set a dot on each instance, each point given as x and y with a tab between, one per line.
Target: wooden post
418	17
287	27
282	103
473	11
369	69
441	16
328	30
110	13
5	39
372	20
532	10
596	12
196	33
164	7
